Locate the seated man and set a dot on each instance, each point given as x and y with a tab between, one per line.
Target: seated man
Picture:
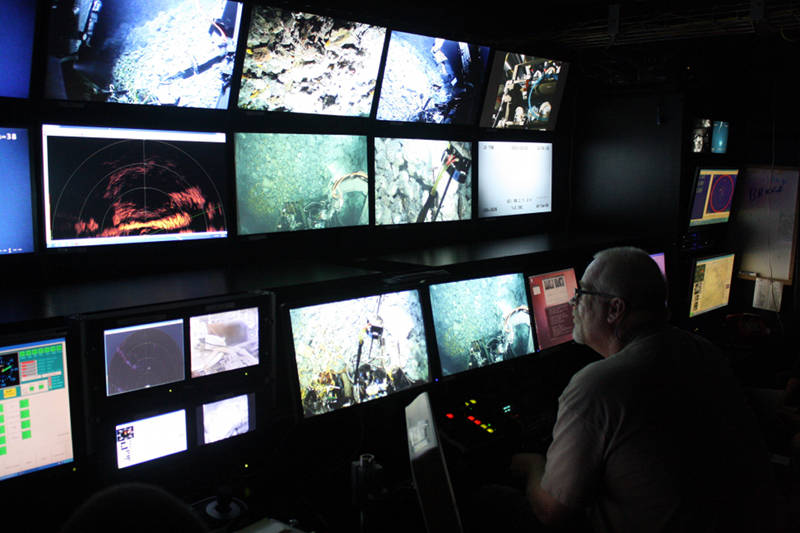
656	436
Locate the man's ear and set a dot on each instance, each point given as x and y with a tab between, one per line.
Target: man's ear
616	309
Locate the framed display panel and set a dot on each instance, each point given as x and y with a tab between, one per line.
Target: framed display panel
16	42
550	296
712	196
514	178
16	217
711	283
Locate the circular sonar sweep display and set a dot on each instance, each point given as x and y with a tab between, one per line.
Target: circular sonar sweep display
721	194
145	358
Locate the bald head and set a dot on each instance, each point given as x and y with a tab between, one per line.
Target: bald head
631	274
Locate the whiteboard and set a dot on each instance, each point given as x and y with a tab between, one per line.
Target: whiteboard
764	227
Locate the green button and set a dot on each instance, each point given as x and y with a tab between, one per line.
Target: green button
2	450
25	413
24	403
26	424
1	407
2	440
41	386
26	435
2	419
2	430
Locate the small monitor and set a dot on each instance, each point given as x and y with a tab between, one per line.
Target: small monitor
223	341
660	260
165	53
711	284
304	63
524	92
482	321
16	43
293	182
353	351
552	311
122	186
226	418
712	196
701	135
421	180
146	439
719	137
431	80
514	178
35	424
16	216
143	356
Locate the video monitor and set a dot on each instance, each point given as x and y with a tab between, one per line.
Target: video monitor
143	356
431	80
552	311
224	341
293	182
117	186
712	196
711	284
226	418
420	180
514	178
660	260
304	63
146	439
16	217
158	53
701	135
16	43
719	137
524	92
352	351
35	423
482	321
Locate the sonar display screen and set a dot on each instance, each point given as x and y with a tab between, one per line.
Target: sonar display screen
146	52
352	351
552	311
143	356
114	186
711	286
524	92
293	182
713	196
479	322
223	341
419	180
16	216
431	80
304	63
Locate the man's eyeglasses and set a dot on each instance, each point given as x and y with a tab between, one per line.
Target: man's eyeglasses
579	292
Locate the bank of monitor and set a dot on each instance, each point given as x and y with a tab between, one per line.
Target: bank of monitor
514	178
711	283
352	351
712	196
16	217
422	180
482	321
105	186
16	43
166	53
524	92
552	311
35	419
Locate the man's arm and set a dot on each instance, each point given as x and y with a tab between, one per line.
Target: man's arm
547	509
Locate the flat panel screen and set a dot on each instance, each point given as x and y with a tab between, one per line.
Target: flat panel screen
143	356
223	341
35	425
16	43
660	260
118	186
146	52
524	92
514	178
719	137
552	311
419	180
16	217
482	321
352	351
432	80
292	182
711	284
713	196
304	63
150	438
227	418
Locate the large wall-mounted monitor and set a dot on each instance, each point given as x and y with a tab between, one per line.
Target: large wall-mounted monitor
352	351
711	283
16	216
16	43
146	439
293	182
35	422
524	92
422	180
712	196
482	321
117	186
552	311
514	178
431	80
158	53
305	63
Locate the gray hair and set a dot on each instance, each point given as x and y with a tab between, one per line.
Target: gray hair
631	274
